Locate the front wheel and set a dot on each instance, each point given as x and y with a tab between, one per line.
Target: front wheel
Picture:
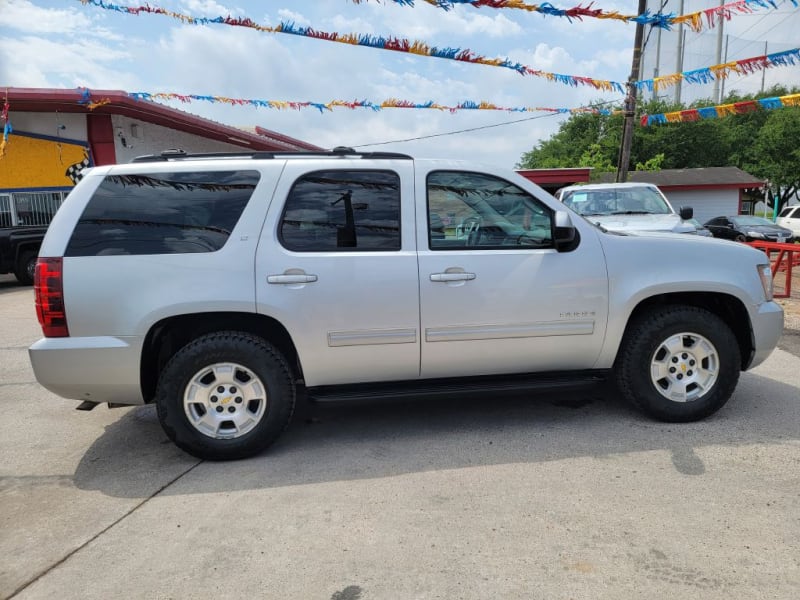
678	363
225	395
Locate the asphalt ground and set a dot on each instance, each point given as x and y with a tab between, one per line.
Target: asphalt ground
554	496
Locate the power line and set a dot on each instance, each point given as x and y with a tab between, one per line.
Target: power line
446	133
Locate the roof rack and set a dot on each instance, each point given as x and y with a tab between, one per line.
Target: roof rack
343	151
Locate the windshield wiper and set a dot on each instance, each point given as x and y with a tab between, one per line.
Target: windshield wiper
633	212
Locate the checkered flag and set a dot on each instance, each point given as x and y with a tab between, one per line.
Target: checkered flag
75	172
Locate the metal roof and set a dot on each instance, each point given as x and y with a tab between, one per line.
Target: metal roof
121	103
713	177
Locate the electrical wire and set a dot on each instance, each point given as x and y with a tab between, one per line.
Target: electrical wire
446	133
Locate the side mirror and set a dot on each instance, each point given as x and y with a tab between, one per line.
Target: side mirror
565	236
686	212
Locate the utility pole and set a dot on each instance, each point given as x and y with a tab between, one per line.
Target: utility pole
679	56
724	60
630	101
716	95
764	71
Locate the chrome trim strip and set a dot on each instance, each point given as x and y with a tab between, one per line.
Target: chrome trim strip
368	337
460	333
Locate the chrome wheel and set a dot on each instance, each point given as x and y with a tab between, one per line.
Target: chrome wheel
684	367
225	400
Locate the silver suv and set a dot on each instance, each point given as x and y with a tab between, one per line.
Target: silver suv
627	207
218	286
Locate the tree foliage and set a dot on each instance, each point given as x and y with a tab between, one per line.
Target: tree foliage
764	143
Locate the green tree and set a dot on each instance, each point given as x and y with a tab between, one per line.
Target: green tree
777	154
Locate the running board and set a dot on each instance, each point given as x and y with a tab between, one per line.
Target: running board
456	387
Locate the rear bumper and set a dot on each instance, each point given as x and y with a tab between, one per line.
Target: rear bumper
767	329
98	369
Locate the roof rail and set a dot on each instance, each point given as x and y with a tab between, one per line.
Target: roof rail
343	151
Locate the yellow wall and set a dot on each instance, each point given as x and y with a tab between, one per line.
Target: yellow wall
36	163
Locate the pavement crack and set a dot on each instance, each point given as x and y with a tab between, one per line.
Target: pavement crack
69	555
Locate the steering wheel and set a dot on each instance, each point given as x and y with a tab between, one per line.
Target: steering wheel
472	226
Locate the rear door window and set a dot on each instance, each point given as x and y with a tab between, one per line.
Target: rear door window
162	213
342	211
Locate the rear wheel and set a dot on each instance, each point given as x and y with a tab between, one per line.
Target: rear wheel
679	363
25	267
226	395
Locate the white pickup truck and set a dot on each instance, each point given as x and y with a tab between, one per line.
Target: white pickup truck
216	286
627	207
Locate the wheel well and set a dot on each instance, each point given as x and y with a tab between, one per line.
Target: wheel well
168	336
729	308
25	248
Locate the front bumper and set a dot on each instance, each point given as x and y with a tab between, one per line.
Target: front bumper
767	324
97	369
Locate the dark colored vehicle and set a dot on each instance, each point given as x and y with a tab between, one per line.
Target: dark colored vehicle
747	228
19	247
701	229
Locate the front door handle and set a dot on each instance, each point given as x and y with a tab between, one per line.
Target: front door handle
284	279
452	277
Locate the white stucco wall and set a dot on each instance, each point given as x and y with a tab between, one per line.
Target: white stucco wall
145	138
71	126
707	204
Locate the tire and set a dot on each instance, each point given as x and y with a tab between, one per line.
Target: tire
739	238
26	267
697	344
225	396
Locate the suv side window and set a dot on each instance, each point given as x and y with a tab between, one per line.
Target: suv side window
479	211
162	213
342	211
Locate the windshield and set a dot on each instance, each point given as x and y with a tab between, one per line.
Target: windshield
749	220
622	201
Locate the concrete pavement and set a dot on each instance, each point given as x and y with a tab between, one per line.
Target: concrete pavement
557	496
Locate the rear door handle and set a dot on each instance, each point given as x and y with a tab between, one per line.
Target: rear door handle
284	279
452	277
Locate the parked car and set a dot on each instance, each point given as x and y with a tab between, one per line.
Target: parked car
790	218
746	228
701	229
219	286
627	207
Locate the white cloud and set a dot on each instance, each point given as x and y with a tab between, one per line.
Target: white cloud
208	8
28	18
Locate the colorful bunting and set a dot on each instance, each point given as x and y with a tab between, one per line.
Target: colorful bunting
745	66
7	129
661	20
372	41
722	110
704	75
354	104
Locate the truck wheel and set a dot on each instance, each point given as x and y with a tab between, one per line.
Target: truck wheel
225	395
678	364
26	267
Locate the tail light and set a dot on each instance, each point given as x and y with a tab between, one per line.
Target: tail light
48	289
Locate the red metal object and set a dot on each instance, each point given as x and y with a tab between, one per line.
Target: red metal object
788	257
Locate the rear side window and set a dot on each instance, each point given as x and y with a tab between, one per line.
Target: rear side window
344	211
162	213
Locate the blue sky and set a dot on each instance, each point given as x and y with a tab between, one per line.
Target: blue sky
66	44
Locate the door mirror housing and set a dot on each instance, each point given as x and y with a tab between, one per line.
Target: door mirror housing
565	236
686	212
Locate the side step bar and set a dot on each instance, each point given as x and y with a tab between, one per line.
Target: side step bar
459	386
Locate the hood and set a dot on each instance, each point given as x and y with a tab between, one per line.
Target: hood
669	222
768	229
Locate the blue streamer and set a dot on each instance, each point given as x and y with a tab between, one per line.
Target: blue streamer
709	112
771	103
